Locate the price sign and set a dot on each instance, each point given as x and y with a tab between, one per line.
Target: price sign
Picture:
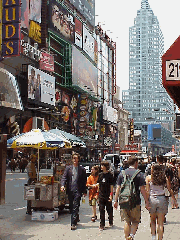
173	70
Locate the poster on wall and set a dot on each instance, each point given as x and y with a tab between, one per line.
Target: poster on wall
78	33
25	14
35	10
41	86
62	21
86	8
84	73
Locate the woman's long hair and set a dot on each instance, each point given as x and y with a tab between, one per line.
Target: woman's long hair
158	175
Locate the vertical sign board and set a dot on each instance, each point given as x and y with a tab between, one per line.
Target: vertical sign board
11	28
132	130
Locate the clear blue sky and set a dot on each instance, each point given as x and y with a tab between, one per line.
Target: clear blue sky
118	16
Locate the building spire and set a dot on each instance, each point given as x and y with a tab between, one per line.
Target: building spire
145	4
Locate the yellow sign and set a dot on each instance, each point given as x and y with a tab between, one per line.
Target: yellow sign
35	31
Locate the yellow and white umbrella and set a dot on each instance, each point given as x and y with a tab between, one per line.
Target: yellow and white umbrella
39	139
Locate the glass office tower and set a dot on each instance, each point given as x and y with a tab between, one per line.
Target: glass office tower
146	99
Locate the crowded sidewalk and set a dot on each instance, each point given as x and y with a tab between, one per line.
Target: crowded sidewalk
18	225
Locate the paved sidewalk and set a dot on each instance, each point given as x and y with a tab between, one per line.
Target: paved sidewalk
19	226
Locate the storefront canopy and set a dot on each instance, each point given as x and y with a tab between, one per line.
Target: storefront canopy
75	141
171	71
10	100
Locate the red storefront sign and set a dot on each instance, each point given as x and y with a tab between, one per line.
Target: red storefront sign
171	71
46	62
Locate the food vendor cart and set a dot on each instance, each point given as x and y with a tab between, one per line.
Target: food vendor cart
45	194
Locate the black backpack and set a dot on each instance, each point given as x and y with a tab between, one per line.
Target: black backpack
128	196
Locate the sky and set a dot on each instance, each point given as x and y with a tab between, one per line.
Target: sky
118	15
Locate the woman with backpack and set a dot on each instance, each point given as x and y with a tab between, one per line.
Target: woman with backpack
155	184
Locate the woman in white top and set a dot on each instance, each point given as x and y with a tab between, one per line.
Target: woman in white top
158	203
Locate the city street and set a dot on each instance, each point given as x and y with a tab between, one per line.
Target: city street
15	224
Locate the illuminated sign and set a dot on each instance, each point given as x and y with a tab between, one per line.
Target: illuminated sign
35	31
10	28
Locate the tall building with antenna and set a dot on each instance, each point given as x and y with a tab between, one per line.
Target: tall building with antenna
146	99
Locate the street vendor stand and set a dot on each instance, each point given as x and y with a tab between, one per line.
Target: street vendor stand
44	194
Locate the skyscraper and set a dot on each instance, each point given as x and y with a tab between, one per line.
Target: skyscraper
146	99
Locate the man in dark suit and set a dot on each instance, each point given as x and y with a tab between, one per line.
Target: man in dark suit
74	178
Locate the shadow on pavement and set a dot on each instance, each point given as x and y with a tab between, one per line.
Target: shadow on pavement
17	237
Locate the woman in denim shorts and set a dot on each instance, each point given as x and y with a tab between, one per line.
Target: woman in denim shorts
158	203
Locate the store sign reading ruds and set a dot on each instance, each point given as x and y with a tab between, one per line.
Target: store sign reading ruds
11	28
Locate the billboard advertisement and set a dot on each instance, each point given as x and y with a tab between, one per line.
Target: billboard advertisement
35	10
84	73
11	28
41	86
61	21
88	43
86	8
25	14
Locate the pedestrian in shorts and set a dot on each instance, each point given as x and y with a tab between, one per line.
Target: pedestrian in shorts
155	185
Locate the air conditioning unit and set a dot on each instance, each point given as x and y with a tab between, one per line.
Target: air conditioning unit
38	123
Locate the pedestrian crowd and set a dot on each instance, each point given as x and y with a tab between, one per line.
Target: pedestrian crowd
18	163
159	183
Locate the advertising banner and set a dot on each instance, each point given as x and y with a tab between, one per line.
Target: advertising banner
25	14
46	62
41	86
61	21
88	43
78	33
35	10
84	73
86	8
11	28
